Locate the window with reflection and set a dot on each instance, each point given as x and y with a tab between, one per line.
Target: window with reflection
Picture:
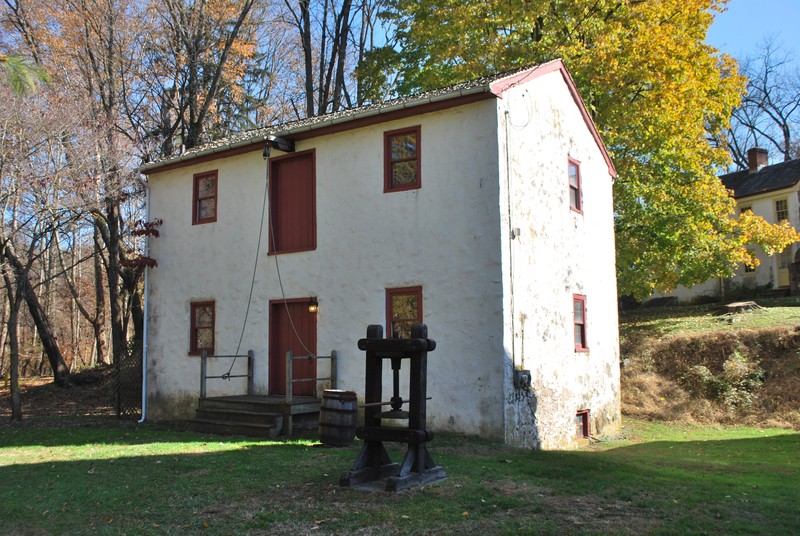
202	327
402	159
579	321
403	309
204	209
575	193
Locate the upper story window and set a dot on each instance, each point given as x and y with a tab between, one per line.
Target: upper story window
575	193
292	203
204	197
579	321
781	210
403	309
401	159
201	330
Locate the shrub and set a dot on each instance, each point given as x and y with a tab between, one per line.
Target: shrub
734	386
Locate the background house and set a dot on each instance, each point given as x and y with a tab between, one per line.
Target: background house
483	210
769	191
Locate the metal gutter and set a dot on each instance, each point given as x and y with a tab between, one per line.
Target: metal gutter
146	310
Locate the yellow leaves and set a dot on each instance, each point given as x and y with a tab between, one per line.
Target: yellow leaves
755	230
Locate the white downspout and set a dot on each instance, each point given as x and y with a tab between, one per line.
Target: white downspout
146	308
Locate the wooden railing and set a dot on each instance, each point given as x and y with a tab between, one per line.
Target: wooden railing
204	357
291	380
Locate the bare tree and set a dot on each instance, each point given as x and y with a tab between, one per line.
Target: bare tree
769	116
192	47
334	37
40	170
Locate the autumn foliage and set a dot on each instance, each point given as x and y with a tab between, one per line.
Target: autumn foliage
658	94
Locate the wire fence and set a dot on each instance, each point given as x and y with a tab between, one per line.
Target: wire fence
128	379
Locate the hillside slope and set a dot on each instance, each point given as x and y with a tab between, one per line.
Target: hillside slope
689	365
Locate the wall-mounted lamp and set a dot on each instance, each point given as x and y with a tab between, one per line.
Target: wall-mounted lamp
313	305
282	144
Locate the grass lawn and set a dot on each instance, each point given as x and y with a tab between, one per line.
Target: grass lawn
688	319
657	479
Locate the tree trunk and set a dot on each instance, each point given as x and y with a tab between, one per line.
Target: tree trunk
99	322
48	340
305	38
130	283
13	350
113	241
13	345
342	39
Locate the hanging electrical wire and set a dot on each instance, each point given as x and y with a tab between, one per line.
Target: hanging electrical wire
227	375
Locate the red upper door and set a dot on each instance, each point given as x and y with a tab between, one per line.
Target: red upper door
292	327
292	203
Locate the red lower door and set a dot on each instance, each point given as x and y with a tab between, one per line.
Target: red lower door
292	327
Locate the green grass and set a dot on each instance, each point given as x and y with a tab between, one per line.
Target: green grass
144	480
684	320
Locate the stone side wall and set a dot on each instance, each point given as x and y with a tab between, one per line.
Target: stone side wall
558	252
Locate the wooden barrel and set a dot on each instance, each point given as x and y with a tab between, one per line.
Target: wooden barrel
337	417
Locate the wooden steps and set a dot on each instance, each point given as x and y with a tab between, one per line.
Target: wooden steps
251	416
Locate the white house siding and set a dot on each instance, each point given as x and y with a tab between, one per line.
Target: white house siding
766	273
197	263
558	253
442	237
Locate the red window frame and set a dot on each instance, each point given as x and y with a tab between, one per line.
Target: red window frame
197	199
582	424
389	161
575	190
194	348
391	293
579	322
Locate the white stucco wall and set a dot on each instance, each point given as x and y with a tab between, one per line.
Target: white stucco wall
443	237
558	253
492	304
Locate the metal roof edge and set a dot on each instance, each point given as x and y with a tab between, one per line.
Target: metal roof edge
280	130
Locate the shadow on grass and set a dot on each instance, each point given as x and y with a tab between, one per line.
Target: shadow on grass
153	481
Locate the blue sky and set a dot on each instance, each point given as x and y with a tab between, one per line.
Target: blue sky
747	23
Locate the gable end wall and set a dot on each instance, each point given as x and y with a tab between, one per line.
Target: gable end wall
557	253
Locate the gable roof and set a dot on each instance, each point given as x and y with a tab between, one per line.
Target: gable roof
767	179
439	99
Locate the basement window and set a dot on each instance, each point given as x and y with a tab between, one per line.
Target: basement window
582	430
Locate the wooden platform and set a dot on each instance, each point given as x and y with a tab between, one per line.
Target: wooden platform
251	415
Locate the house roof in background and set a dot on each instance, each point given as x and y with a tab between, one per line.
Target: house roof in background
767	179
455	95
